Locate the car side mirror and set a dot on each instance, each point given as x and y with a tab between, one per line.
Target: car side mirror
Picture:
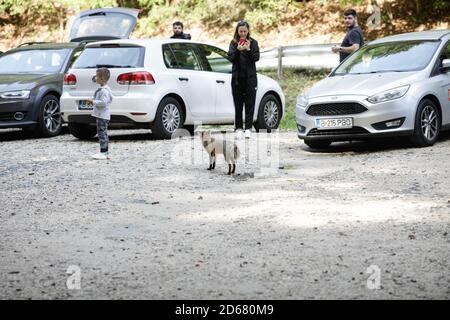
445	65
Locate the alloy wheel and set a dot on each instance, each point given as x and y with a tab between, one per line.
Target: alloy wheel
52	116
171	118
271	113
429	123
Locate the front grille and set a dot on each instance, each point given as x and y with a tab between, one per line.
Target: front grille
335	109
336	132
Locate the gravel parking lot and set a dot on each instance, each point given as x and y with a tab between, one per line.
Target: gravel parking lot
359	221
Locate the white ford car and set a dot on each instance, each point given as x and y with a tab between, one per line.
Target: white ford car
394	86
162	85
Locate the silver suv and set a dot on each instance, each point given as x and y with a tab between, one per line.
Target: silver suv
395	86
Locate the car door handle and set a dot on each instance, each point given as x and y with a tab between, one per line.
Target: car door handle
183	79
220	81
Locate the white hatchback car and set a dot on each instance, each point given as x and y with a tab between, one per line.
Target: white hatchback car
163	85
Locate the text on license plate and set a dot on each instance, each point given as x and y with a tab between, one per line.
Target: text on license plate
85	105
334	123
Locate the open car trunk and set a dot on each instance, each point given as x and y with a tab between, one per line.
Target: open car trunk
104	24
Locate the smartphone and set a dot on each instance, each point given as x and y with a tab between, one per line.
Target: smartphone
242	41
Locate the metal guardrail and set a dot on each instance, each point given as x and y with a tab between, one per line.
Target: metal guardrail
315	56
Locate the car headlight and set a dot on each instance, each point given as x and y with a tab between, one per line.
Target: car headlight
22	94
389	95
302	100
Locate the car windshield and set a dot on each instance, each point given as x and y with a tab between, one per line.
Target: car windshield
33	61
110	57
389	57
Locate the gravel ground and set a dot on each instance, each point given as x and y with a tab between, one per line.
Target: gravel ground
146	225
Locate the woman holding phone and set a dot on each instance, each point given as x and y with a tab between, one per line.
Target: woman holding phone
243	53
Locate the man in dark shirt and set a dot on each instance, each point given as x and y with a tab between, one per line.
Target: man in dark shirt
178	31
354	39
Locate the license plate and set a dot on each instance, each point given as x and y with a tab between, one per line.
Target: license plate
85	105
339	123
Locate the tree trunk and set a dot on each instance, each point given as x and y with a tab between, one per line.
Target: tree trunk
418	6
62	17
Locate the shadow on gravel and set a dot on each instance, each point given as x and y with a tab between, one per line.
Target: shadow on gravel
19	134
395	143
130	136
136	136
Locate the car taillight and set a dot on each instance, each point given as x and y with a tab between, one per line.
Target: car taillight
70	79
135	78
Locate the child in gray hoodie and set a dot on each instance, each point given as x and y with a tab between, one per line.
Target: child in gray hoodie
101	102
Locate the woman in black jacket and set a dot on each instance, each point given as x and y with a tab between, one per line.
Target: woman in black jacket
243	53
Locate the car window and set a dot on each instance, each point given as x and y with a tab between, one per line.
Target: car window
183	56
446	52
111	57
392	56
74	57
169	58
33	61
216	59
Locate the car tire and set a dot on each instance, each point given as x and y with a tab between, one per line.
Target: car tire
82	131
427	124
169	118
269	114
49	117
318	144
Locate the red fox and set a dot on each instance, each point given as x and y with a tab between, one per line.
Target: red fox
216	146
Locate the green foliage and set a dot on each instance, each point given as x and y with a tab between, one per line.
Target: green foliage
15	7
152	21
212	13
148	4
261	14
265	14
441	5
352	2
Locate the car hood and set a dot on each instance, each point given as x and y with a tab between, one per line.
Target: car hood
361	84
12	82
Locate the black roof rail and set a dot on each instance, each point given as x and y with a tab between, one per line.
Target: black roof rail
29	44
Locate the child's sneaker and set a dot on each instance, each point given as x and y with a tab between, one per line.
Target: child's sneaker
248	134
101	156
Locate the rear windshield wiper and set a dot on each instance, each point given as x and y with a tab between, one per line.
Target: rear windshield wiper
101	13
